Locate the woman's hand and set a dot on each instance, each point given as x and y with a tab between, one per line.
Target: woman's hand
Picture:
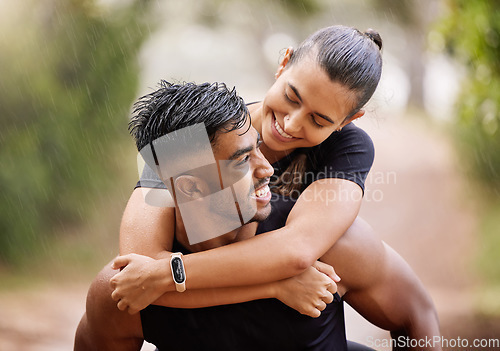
140	282
310	291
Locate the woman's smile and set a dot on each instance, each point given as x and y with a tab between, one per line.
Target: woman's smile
279	133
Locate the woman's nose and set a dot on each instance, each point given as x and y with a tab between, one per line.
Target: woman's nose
292	123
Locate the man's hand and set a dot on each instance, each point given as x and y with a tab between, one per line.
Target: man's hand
140	282
310	291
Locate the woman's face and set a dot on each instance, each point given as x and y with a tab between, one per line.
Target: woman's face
303	107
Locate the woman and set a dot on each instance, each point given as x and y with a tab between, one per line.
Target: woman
321	161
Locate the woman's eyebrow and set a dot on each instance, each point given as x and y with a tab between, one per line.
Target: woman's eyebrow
300	99
295	91
324	117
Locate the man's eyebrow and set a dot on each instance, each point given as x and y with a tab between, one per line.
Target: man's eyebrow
240	152
243	151
300	99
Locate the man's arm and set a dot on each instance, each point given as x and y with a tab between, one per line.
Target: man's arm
382	287
145	229
398	302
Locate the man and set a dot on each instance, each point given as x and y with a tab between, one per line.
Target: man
375	280
192	177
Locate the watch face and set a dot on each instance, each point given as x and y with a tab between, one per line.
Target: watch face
178	270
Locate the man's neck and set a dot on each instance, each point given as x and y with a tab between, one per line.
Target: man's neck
241	233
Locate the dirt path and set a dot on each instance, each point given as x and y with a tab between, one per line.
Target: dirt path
42	319
414	199
417	201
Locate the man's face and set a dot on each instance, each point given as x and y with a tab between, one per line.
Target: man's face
221	186
240	158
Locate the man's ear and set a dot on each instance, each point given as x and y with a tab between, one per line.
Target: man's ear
190	187
358	114
284	62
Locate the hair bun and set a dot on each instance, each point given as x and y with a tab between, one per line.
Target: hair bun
373	35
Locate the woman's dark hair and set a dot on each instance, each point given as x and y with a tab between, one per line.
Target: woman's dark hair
350	58
175	106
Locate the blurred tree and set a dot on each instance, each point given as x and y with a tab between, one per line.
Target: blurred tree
260	19
69	74
413	18
259	11
472	35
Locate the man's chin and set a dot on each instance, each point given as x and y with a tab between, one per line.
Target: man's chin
262	214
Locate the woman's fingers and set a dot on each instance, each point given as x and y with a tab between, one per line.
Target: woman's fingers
332	288
320	305
328	298
314	312
326	269
121	261
122	305
115	295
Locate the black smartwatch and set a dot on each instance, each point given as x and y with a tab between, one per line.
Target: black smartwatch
178	272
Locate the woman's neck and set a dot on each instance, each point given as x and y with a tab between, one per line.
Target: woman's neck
271	155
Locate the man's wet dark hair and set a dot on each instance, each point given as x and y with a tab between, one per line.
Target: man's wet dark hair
175	106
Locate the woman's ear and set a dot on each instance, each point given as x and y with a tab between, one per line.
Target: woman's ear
189	188
358	114
284	62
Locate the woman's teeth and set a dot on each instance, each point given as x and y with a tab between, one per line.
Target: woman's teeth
262	192
281	131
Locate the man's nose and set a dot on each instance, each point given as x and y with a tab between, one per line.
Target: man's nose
263	168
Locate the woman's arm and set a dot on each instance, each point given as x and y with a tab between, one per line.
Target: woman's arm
321	215
308	293
142	280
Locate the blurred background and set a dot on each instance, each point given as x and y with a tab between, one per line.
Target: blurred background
70	70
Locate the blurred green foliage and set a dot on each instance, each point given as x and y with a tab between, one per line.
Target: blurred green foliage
489	246
69	74
472	35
